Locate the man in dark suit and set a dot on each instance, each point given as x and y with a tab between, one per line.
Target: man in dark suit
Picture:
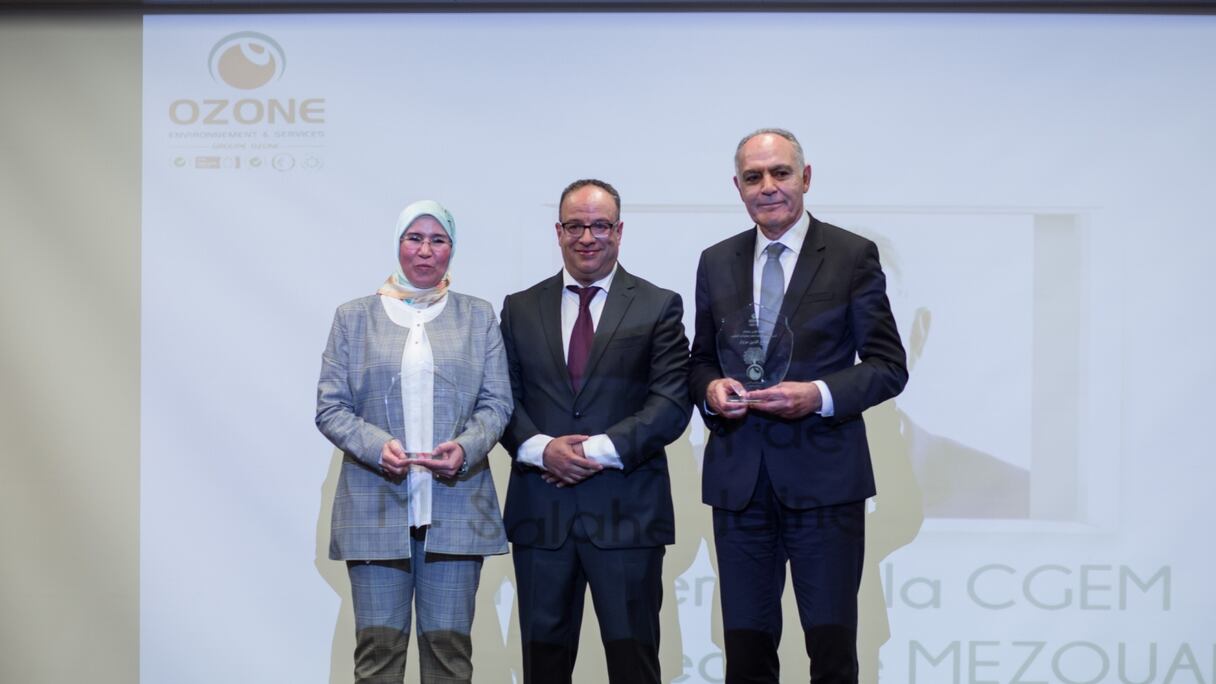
788	471
598	362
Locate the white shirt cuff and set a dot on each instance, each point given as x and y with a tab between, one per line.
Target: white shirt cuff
532	451
599	448
829	407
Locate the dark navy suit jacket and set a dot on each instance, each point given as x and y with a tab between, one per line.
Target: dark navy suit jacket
844	334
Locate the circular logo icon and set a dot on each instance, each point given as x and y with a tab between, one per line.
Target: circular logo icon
247	60
755	372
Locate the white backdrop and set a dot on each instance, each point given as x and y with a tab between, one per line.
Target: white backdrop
1039	187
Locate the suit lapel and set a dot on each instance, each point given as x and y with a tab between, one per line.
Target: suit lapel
742	271
619	299
551	325
810	258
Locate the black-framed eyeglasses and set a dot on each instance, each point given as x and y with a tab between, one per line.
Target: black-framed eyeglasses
417	241
599	229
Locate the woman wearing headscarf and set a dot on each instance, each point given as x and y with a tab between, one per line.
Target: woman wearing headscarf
414	391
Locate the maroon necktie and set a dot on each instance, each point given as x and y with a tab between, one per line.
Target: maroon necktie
581	336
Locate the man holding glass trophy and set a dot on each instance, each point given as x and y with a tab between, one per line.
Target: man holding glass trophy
794	339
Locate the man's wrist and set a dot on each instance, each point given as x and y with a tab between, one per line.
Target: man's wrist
827	408
532	451
600	449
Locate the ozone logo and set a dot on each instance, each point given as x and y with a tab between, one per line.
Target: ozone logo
247	60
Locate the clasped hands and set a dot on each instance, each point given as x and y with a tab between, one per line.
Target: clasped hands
444	461
787	399
565	463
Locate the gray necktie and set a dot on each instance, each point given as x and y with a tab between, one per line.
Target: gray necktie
772	290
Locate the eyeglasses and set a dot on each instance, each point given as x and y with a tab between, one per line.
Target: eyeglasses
599	229
416	241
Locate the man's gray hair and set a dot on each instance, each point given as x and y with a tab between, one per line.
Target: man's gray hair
781	132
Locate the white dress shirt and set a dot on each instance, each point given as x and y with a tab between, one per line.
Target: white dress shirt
598	448
792	239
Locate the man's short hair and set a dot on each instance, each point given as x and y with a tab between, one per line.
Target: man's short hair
781	132
584	182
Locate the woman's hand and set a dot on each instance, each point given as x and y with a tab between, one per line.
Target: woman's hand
393	460
444	461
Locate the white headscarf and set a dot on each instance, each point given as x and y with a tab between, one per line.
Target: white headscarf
398	286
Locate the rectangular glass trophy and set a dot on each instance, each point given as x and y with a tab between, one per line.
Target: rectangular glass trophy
755	345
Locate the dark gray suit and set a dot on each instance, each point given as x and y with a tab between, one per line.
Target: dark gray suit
635	390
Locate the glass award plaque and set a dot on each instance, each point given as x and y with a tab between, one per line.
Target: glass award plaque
394	414
754	347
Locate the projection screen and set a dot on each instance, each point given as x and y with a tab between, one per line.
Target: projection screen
1034	183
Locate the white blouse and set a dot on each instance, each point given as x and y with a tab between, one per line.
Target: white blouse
417	398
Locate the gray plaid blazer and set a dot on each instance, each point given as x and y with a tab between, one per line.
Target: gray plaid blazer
472	406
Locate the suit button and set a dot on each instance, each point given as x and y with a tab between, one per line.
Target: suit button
578	414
